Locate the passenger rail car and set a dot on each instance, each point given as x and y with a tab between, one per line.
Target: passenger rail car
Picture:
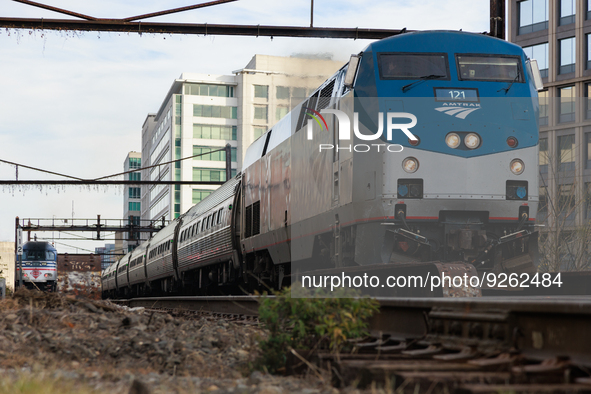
464	190
39	262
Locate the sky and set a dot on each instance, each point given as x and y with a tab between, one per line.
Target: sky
74	102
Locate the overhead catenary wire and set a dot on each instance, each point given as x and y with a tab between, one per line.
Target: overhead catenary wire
82	180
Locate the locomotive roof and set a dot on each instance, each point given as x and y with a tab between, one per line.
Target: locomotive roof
38	245
444	41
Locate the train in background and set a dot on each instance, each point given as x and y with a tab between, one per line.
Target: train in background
39	265
466	189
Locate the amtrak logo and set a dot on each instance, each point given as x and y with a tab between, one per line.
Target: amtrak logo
461	112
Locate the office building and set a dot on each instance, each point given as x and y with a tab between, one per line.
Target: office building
7	265
107	255
132	200
557	33
201	113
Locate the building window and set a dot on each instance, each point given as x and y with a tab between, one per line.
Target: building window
299	93
201	89
135	176
210	174
280	112
567	104
135	162
543	155
282	92
533	16
159	206
568	54
543	204
543	102
588	147
588	66
539	53
199	195
588	101
566	201
135	192
567	12
587	200
258	131
260	112
261	91
214	132
566	152
215	111
204	151
588	9
134	206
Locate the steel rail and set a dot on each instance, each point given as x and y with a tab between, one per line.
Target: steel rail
561	322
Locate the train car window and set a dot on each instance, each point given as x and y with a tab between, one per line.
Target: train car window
208	220
496	68
213	217
413	65
33	255
220	215
197	227
203	225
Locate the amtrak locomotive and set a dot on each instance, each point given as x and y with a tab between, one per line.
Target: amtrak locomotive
423	147
39	263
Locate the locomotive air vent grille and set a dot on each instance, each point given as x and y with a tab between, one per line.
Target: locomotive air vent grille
325	96
248	222
256	218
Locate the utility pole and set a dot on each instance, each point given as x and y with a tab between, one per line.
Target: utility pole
18	249
228	162
497	18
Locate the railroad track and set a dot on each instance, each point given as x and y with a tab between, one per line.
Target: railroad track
479	345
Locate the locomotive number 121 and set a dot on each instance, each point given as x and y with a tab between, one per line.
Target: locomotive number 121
451	94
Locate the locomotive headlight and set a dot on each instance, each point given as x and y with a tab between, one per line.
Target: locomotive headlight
410	165
453	140
517	166
472	140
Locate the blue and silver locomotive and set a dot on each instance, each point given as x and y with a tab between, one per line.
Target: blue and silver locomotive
39	264
423	147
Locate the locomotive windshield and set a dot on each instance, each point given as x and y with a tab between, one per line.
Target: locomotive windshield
38	255
489	68
412	65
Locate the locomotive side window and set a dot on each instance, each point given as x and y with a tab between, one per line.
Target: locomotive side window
213	219
495	68
413	65
220	215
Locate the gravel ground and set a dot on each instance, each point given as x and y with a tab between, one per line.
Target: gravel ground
111	349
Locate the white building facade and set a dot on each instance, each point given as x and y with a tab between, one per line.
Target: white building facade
201	113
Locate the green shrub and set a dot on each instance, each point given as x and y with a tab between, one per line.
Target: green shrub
313	323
